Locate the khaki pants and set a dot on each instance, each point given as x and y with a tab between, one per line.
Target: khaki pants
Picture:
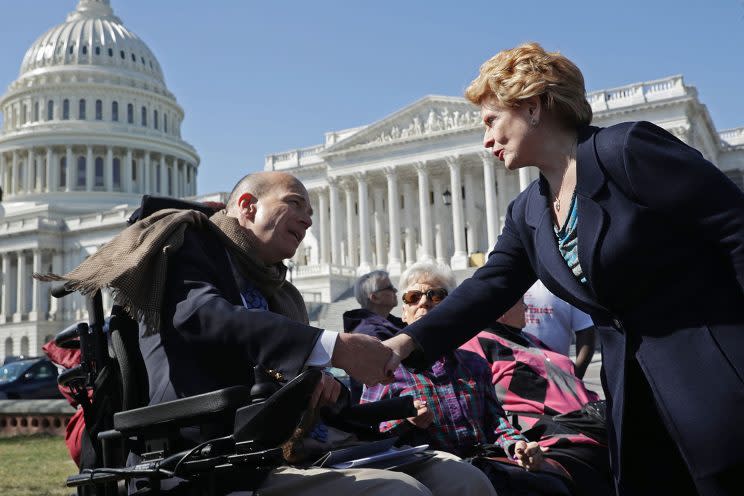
443	475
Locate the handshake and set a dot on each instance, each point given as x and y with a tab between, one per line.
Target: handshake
368	359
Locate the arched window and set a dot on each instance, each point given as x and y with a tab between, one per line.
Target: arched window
98	183
81	165
144	116
63	172
115	111
65	109
8	346
130	113
81	109
123	55
24	346
157	179
165	123
111	52
170	181
24	112
50	110
98	50
85	49
155	119
134	58
134	169
116	173
99	110
36	111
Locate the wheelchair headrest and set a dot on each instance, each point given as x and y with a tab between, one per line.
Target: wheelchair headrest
151	204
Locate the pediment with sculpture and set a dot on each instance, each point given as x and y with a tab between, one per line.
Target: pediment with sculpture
431	116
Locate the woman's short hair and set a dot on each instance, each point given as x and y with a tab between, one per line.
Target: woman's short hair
528	70
429	273
368	284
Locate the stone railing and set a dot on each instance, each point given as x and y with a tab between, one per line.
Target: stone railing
733	137
24	417
293	158
634	94
300	271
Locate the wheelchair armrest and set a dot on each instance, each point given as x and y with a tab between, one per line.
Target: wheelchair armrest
185	411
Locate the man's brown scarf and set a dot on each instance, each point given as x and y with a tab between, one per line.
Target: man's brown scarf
134	264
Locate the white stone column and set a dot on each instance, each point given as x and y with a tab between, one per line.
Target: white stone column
524	178
146	174
459	258
15	178
350	232
70	169
379	217
394	266
439	229
502	194
7	289
108	170
51	183
29	185
471	215
323	230
21	281
54	306
424	212
363	207
36	289
335	224
492	208
164	176
410	231
127	173
90	169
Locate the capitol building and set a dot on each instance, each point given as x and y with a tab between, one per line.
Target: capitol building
89	127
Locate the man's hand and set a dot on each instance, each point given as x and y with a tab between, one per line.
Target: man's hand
363	357
529	455
424	417
326	392
402	346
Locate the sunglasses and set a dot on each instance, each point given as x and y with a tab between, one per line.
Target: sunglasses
433	295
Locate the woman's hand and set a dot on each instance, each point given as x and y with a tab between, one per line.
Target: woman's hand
529	455
424	417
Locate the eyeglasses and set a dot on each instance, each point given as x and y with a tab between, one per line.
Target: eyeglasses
391	288
433	295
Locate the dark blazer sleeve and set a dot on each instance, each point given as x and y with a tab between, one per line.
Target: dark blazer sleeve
479	300
674	179
198	304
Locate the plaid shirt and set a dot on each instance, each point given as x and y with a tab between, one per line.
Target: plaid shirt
458	389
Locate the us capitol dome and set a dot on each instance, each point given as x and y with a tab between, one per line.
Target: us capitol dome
89	126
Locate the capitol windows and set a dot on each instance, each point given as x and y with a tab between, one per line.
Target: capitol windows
65	109
99	110
123	55
8	346
157	178
170	181
130	113
155	119
63	172
134	58
24	112
50	110
111	52
116	173
165	123
72	48
81	109
115	111
81	164
134	170
144	116
98	183
85	49
36	111
98	50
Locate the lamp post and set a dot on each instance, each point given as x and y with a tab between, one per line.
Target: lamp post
447	198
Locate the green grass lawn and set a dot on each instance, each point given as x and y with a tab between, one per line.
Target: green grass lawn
34	465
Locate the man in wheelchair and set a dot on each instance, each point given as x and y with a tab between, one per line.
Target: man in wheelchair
216	313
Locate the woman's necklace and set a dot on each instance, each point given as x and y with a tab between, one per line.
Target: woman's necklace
557	200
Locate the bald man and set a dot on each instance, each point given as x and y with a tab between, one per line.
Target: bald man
227	308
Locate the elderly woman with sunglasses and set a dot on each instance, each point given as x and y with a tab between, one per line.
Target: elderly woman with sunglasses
456	402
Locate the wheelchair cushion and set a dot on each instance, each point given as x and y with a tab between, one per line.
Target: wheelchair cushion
184	412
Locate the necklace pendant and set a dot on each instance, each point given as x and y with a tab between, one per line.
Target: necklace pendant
557	204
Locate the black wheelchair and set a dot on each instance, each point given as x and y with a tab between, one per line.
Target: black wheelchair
129	447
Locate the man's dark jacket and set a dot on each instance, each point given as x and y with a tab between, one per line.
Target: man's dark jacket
661	242
208	339
363	321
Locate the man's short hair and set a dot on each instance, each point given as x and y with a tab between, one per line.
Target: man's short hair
257	184
368	284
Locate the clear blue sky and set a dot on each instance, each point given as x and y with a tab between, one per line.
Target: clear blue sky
259	77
